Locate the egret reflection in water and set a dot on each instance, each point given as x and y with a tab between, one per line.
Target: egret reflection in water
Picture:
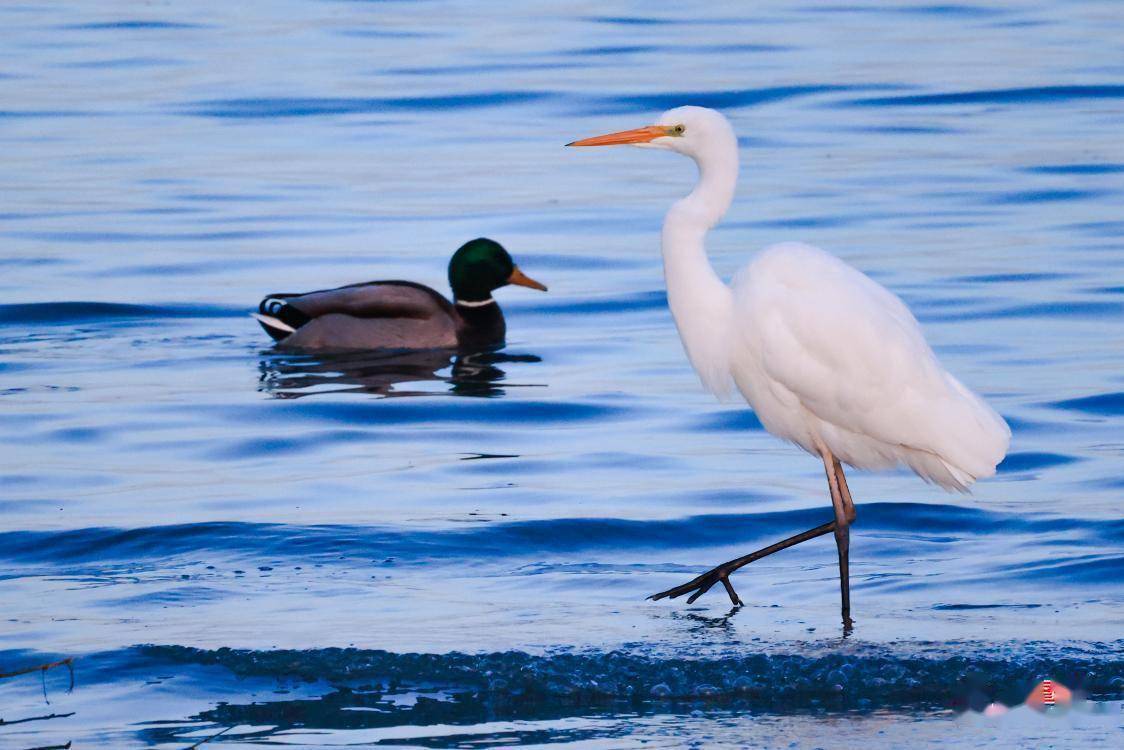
291	375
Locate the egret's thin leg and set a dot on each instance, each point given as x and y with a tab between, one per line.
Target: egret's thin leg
834	471
703	583
848	503
840	498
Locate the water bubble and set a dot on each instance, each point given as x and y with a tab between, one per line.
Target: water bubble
706	691
744	684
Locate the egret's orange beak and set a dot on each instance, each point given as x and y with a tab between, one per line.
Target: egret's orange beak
639	135
519	278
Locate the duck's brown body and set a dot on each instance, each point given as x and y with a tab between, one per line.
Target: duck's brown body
380	315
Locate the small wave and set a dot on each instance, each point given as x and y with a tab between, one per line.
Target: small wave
1011	278
1031	95
61	313
515	538
130	24
369	33
1074	569
384	413
226	265
122	62
727	100
1076	169
350	688
634	20
1103	404
1062	309
966	607
1104	568
906	129
268	107
216	236
858	674
729	420
37	113
1029	460
612	51
952	10
567	262
14	262
1044	196
624	303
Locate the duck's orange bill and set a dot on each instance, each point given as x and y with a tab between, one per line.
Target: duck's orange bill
519	278
638	135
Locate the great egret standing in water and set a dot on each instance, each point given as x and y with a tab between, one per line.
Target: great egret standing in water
827	358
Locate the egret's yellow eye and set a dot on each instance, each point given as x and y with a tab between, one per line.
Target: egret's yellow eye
678	130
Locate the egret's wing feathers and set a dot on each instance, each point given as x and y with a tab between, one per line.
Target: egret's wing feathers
832	341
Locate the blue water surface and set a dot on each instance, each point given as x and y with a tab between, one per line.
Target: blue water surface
438	551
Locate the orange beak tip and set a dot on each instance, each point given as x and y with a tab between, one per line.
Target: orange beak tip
638	135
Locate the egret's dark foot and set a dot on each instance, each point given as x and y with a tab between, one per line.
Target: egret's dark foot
706	581
701	585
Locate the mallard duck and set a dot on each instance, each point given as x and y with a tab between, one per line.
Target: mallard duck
402	314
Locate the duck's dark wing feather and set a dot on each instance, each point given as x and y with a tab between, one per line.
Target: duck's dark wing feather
372	299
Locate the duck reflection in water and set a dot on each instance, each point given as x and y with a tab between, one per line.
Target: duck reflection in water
296	374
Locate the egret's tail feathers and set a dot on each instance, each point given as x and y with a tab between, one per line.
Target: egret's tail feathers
939	470
958	479
276	328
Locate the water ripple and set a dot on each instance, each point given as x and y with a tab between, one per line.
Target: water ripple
859	675
728	100
1103	404
1028	95
516	538
1076	169
130	24
270	107
1028	461
64	313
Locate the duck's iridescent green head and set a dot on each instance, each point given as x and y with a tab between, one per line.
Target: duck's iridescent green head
481	266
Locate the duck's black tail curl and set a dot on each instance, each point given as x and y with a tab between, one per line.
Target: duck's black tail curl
278	317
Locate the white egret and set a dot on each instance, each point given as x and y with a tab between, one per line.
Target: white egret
828	358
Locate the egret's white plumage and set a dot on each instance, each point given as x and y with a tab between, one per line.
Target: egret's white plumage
825	355
828	358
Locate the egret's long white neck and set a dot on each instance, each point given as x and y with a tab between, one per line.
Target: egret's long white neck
700	302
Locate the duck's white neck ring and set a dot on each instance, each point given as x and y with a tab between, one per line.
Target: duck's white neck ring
478	303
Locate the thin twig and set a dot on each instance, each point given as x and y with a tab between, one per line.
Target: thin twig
42	670
34	718
68	661
208	739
